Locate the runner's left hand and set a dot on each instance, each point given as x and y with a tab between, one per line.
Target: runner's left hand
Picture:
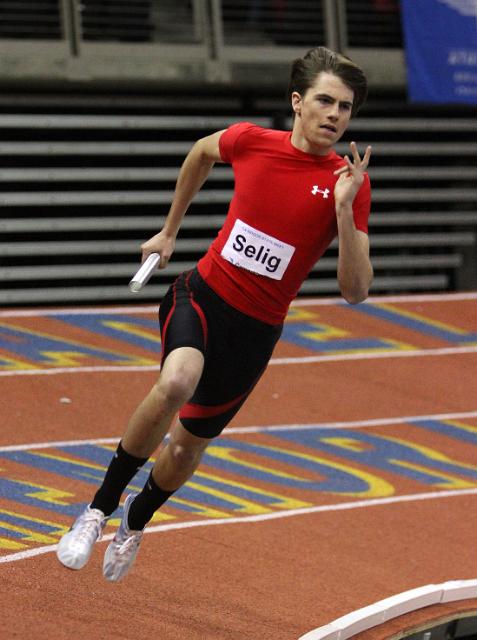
351	175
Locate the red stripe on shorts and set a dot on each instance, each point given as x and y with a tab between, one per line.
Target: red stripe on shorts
169	315
192	410
198	310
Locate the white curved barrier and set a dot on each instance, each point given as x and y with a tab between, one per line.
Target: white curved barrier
384	610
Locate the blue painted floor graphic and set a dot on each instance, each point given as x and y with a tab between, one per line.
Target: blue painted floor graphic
267	471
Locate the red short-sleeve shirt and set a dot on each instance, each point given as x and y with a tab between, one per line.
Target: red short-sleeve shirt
280	221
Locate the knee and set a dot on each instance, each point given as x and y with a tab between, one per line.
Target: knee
175	390
183	456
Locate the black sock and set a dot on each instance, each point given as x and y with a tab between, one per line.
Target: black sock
122	469
145	504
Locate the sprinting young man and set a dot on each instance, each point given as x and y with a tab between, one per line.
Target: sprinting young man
220	322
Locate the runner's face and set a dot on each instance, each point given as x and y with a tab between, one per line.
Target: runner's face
322	114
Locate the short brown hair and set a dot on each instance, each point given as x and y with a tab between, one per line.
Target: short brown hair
304	71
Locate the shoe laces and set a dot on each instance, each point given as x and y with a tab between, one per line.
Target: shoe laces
130	544
89	526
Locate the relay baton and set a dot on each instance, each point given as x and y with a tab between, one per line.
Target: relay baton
144	272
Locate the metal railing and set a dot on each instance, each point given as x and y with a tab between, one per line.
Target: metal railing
190	40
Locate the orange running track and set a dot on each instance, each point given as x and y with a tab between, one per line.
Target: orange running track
350	476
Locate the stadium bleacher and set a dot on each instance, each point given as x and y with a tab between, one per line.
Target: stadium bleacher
87	174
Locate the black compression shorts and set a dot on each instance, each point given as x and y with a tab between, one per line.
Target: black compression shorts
236	351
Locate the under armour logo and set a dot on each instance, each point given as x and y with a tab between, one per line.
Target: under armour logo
316	190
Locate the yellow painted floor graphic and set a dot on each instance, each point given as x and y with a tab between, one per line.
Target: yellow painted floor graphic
263	472
123	338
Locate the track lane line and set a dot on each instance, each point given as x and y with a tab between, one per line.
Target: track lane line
351	424
344	506
418	353
358	504
299	302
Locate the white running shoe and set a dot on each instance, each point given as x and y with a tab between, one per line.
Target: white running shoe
75	547
122	551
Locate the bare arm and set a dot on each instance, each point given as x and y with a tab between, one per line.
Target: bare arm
192	175
355	272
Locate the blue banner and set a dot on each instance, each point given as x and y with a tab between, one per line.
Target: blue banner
441	50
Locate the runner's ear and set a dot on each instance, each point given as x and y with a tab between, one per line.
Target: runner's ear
296	102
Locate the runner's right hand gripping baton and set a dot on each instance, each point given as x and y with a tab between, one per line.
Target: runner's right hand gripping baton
144	272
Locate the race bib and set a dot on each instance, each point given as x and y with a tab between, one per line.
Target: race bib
255	251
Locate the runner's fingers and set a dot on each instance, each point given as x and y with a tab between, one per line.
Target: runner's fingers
358	164
163	261
367	156
344	169
341	170
355	153
356	157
